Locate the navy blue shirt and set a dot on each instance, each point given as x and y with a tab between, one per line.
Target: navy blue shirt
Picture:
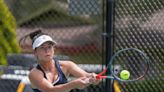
61	77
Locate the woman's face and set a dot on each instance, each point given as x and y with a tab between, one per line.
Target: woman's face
45	52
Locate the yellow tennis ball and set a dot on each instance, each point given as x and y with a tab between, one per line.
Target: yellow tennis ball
124	74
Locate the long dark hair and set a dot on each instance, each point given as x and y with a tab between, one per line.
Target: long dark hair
32	36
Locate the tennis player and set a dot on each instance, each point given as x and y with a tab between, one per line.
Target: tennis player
50	75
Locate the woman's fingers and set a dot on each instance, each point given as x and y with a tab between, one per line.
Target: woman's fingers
82	82
93	79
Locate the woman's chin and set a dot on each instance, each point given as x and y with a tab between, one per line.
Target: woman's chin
48	58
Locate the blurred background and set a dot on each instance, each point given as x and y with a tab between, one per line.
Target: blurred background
80	28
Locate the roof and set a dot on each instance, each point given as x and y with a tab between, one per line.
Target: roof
27	11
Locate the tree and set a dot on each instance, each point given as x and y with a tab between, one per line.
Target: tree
8	42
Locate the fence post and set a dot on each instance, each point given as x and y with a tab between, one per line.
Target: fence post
109	38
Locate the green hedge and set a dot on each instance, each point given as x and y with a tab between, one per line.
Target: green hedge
8	42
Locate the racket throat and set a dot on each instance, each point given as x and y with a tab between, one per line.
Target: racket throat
110	77
104	77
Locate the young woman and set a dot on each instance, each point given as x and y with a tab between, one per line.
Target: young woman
50	74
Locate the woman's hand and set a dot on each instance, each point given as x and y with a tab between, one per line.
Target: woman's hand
93	80
81	83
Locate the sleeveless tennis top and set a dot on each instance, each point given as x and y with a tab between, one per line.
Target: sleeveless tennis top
61	77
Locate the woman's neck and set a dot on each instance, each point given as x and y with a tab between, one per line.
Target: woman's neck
47	65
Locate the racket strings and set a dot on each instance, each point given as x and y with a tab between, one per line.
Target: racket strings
137	60
132	61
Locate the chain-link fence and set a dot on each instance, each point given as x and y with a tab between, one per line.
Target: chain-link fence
77	33
77	26
139	24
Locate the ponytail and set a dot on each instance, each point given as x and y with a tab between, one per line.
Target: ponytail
32	36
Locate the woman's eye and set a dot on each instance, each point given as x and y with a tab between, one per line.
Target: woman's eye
49	46
42	47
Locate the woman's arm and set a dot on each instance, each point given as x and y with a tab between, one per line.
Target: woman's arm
73	69
76	71
37	79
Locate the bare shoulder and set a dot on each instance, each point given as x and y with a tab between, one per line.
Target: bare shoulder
32	76
73	69
66	66
34	71
67	63
35	74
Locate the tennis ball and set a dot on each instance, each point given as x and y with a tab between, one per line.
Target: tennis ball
124	74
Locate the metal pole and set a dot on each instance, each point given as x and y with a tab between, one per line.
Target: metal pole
109	38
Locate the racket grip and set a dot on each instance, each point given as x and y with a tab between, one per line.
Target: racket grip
101	77
101	73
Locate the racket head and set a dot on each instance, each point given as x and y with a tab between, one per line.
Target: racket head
133	60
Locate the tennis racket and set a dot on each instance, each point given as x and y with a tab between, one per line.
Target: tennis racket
130	60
